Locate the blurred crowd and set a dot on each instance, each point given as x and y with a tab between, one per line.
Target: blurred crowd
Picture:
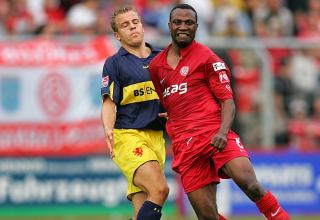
237	18
296	72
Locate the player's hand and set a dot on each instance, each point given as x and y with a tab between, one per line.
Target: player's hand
109	141
219	141
163	115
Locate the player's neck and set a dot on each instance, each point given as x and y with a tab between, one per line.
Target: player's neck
141	51
175	50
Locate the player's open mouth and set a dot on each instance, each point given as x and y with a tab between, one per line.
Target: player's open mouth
182	34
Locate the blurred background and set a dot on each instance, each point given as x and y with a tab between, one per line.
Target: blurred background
53	159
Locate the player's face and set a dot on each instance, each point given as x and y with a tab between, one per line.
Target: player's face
183	27
130	31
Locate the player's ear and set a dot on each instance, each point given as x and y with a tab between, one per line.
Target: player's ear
116	35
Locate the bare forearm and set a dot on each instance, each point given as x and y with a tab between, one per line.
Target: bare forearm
108	114
227	116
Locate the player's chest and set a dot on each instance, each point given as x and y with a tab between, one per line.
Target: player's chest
183	73
134	71
179	82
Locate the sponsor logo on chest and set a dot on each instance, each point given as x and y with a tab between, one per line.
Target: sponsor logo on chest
176	88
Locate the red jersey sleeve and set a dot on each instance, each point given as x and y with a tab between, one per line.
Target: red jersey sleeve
156	82
218	76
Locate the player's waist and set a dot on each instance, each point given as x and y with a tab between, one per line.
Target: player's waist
180	135
157	124
178	132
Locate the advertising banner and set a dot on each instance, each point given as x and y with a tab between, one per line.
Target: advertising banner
50	97
294	178
90	180
96	181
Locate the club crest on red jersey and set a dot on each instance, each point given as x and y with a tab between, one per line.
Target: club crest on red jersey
138	151
105	81
223	77
184	70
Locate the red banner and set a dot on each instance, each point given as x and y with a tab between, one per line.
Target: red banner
49	52
55	139
50	100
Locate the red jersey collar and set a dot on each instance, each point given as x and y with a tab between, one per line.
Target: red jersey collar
183	51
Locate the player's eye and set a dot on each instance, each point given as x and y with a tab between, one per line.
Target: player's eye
188	22
124	25
136	21
177	21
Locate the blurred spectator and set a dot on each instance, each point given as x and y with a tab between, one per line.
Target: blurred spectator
205	10
283	92
155	16
4	13
150	13
102	24
283	85
298	126
246	88
35	8
53	12
314	5
309	25
251	9
277	54
315	124
105	13
230	21
232	28
260	29
82	17
19	19
164	11
278	19
55	16
305	74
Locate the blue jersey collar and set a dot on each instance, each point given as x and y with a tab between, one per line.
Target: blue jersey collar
124	52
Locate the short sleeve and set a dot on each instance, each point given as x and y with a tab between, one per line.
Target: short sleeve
110	81
219	77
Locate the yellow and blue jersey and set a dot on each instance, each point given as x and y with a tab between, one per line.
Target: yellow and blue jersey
126	80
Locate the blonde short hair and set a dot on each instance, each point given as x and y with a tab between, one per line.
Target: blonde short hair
119	11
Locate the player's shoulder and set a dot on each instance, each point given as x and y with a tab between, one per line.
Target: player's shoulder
203	48
211	56
111	59
110	66
157	59
154	50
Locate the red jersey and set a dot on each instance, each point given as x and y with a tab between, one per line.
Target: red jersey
191	92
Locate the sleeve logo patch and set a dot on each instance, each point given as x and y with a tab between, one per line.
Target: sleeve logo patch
223	77
105	81
219	66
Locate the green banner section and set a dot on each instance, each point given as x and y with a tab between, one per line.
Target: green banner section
73	210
